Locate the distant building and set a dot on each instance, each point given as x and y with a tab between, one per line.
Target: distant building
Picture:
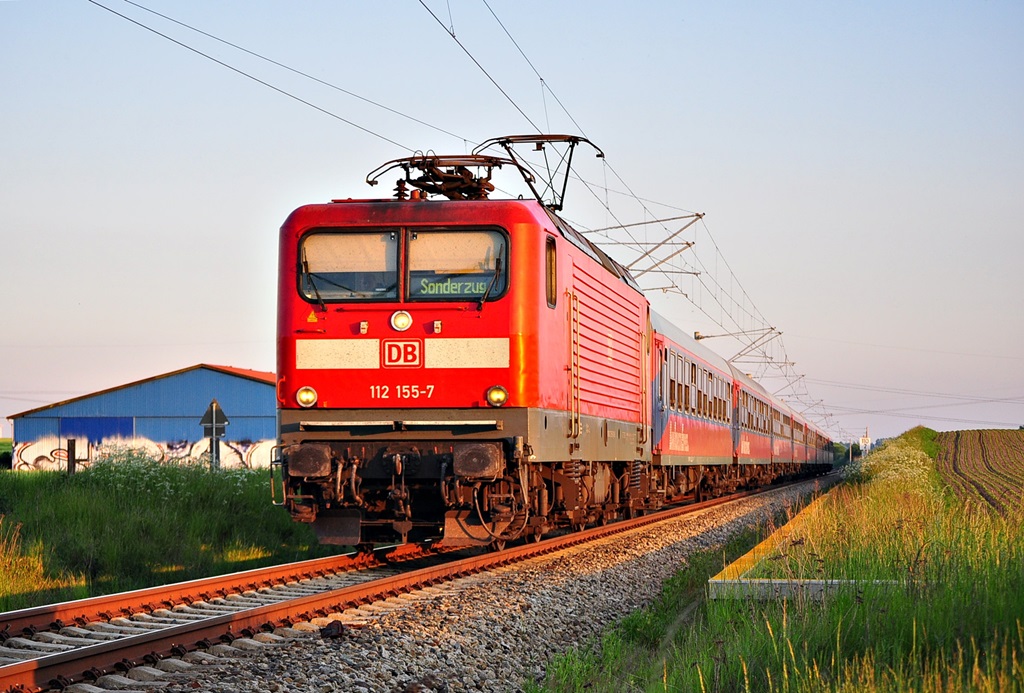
160	414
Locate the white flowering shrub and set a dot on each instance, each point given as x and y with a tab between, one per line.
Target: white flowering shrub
131	473
898	462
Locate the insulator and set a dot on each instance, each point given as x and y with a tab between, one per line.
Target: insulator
400	190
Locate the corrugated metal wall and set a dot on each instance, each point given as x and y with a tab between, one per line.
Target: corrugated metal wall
165	409
610	332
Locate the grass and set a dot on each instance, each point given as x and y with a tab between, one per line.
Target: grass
953	620
633	654
129	522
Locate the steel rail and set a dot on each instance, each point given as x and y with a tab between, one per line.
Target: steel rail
55	616
90	662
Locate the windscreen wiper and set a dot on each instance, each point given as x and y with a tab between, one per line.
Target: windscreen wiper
490	285
309	278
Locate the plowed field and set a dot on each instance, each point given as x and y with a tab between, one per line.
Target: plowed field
984	465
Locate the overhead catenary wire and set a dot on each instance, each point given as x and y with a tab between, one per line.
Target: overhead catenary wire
921	393
249	76
295	71
926	417
707	280
543	83
477	63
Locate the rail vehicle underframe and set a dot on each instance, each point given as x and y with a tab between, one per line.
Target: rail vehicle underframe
475	477
468	477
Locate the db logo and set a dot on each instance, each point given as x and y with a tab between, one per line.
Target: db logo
401	354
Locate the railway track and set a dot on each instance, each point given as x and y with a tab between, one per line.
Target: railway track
57	646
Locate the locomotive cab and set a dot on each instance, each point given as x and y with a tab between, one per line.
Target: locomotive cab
394	357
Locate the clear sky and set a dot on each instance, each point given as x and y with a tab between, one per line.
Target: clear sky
860	167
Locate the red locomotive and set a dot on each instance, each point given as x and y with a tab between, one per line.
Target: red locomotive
476	371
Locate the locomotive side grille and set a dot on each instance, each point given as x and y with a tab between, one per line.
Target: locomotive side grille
609	332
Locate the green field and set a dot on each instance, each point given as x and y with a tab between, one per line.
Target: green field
947	612
129	522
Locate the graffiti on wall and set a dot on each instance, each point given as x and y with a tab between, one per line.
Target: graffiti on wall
51	454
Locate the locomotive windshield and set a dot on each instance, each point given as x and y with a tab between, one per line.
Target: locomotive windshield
442	265
350	266
457	265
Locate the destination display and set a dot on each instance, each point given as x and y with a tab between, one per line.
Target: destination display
468	286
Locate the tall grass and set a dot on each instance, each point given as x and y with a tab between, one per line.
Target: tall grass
946	612
22	572
633	655
129	522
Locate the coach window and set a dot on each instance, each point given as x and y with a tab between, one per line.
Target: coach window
698	394
457	265
702	392
664	378
696	389
707	394
681	372
672	386
551	273
350	266
712	396
686	386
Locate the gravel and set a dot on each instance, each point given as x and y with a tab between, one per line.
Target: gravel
487	632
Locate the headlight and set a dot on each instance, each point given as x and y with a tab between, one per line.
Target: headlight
306	397
401	320
497	396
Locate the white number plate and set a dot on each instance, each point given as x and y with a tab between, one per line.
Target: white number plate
401	391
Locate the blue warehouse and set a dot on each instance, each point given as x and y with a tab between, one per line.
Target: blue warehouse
160	415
